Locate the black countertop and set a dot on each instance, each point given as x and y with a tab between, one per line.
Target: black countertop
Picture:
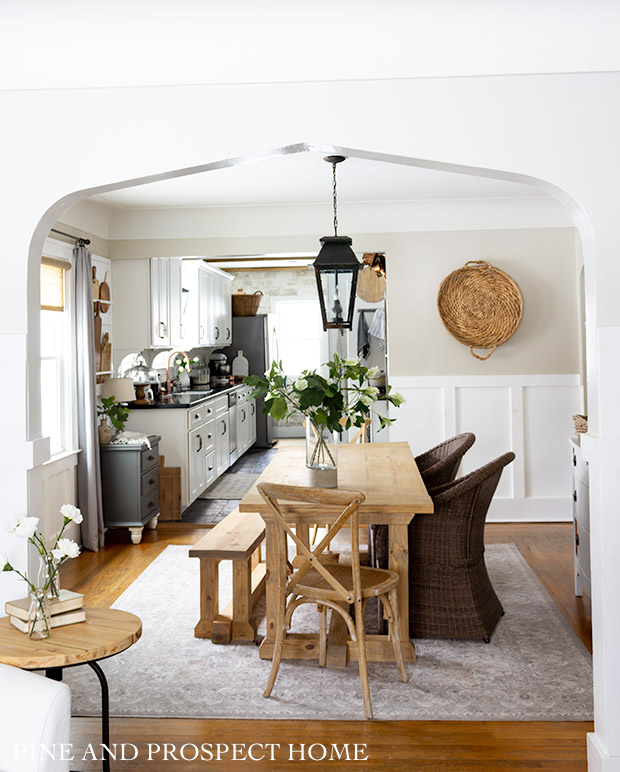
185	400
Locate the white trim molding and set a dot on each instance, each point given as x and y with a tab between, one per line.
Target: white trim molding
528	414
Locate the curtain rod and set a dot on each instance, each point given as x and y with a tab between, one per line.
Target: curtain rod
79	239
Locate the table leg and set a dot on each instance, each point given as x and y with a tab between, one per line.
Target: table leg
399	562
54	673
271	586
105	716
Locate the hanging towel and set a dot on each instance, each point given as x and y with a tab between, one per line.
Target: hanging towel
363	342
377	328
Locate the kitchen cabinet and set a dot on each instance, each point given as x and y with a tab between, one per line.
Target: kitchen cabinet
130	486
196	439
148	302
207	314
581	519
222	437
246	420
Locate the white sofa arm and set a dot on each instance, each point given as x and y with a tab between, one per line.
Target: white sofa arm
35	722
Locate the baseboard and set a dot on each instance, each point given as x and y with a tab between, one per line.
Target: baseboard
530	510
598	759
288	431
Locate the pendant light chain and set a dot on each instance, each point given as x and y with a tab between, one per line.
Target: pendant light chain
335	200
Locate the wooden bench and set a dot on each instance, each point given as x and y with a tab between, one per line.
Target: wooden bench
238	538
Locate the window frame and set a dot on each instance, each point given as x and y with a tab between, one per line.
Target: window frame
68	384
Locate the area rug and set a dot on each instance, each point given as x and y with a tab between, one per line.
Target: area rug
230	486
535	667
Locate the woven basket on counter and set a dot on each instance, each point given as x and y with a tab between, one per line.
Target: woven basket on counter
244	304
581	424
480	306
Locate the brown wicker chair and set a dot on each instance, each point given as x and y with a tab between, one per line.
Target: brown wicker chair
450	593
437	466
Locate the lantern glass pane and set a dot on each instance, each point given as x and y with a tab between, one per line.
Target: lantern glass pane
336	286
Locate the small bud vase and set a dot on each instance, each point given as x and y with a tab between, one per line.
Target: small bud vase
39	614
321	456
49	577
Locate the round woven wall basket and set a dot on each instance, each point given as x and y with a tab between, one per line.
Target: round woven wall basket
480	306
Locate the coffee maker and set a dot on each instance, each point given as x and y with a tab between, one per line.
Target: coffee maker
220	369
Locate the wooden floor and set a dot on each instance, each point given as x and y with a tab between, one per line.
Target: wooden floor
395	746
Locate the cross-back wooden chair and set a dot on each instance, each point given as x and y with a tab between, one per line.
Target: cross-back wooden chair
331	586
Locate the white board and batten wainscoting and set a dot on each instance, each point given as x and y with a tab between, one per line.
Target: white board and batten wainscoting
529	414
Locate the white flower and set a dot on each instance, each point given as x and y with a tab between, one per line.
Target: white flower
4	562
366	399
397	398
372	372
351	362
24	526
301	384
66	548
71	512
373	391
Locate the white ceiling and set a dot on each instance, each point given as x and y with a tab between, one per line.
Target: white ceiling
305	178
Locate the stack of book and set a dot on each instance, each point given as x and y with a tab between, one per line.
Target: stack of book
67	609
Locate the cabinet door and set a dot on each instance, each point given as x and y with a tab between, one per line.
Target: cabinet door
222	447
205	306
225	305
242	426
190	305
215	310
197	469
175	292
160	317
251	404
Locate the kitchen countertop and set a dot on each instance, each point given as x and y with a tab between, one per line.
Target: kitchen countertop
186	399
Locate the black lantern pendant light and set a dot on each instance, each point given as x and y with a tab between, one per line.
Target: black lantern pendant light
336	270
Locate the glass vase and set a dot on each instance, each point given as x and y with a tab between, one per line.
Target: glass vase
49	577
321	456
39	614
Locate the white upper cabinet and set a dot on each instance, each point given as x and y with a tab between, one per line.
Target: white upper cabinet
176	297
169	302
160	303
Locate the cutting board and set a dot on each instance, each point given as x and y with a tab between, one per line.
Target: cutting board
95	288
104	295
106	357
97	338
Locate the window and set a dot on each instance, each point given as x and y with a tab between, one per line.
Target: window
57	369
300	341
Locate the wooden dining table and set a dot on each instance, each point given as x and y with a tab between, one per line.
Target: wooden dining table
387	475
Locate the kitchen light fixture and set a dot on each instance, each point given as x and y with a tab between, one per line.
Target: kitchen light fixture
336	269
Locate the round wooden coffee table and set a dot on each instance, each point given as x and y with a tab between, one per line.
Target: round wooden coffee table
105	632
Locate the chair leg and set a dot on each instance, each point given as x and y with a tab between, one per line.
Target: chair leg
315	531
277	651
395	635
360	635
322	635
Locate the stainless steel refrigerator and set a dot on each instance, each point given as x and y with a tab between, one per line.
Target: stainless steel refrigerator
250	334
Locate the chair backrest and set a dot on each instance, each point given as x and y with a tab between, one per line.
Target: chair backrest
362	433
456	527
440	464
273	494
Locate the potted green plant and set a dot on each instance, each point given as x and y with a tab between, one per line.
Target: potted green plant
330	404
118	414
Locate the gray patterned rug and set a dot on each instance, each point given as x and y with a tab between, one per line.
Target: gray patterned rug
230	486
535	667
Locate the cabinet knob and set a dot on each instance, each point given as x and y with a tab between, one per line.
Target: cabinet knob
151	458
574	495
574	459
217	333
151	481
209	436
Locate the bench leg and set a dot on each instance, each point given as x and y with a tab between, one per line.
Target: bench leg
244	626
209	597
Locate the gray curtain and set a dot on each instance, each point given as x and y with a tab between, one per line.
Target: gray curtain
88	471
